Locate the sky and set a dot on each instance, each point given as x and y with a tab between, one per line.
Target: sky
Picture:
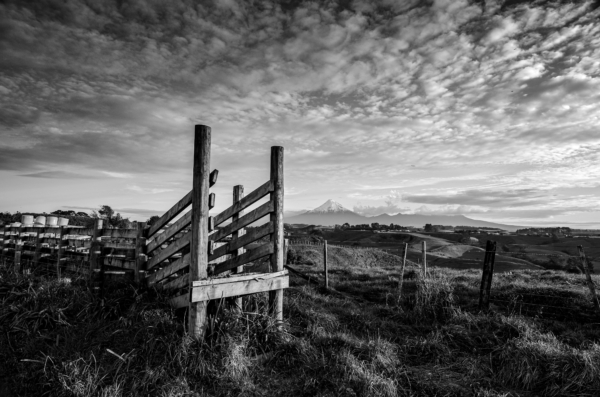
484	108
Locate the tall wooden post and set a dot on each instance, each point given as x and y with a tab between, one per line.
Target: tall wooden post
424	253
197	318
38	248
325	264
487	275
588	277
238	194
276	297
18	249
61	250
140	254
95	276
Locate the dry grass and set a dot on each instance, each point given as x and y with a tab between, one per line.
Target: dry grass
430	340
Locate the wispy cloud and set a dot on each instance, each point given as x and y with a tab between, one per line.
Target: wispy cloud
455	103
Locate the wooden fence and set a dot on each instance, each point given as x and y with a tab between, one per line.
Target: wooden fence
197	257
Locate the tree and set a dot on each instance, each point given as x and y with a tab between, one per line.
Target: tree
106	212
428	227
375	226
152	220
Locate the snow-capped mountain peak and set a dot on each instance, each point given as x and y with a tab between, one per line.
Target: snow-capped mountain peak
329	206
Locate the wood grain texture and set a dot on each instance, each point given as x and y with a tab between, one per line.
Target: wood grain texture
245	220
249	256
166	271
266	282
276	297
173	248
197	317
170	214
237	277
180	282
250	237
244	203
160	239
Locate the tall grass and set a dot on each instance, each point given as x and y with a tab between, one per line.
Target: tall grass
57	339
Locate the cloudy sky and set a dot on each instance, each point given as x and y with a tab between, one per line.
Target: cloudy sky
484	108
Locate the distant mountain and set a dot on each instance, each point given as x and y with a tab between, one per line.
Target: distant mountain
333	213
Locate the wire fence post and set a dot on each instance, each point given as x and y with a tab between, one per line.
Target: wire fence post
590	282
325	264
402	269
487	274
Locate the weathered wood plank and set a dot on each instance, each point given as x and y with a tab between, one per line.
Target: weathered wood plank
170	232
244	203
237	277
249	237
180	301
245	220
180	282
169	251
236	288
114	233
170	214
257	253
166	271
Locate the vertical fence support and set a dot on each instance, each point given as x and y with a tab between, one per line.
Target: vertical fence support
95	276
487	274
238	194
61	249
38	249
140	254
325	264
402	270
197	315
18	249
276	297
588	277
424	253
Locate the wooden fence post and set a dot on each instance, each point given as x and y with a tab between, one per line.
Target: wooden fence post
60	251
487	275
95	275
424	253
38	249
197	315
588	277
325	264
18	249
276	296
402	269
238	194
140	254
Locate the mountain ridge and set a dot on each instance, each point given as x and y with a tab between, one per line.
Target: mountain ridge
333	213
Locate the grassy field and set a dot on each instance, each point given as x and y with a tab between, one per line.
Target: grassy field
446	249
364	337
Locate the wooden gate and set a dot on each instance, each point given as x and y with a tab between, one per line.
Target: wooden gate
206	260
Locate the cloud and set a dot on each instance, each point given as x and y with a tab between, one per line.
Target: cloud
138	189
57	175
417	95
